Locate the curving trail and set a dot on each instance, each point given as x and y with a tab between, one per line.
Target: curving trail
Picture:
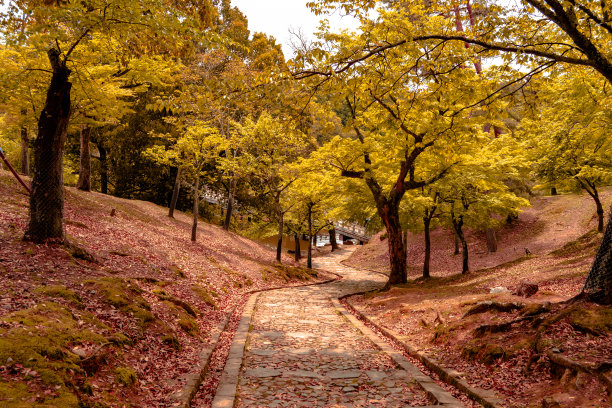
302	352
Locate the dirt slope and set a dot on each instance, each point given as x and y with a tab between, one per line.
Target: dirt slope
545	226
533	352
122	327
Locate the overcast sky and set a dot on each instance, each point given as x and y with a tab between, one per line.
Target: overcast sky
276	17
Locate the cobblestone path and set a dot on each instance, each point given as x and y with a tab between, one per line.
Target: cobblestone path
302	353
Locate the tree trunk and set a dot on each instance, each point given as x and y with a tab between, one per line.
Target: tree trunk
175	192
553	191
426	224
598	285
491	240
309	260
230	207
103	169
279	245
458	226
196	209
47	199
298	251
397	252
600	213
456	238
332	239
84	182
25	152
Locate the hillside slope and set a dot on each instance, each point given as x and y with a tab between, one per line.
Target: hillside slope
119	318
548	224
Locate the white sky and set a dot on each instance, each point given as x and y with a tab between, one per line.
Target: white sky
276	17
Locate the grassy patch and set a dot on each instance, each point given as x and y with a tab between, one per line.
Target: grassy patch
288	273
587	318
126	297
162	295
59	291
125	376
207	296
38	339
184	320
590	240
172	341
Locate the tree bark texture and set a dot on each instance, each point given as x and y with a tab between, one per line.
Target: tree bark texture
598	285
196	209
332	239
491	240
456	239
426	262
46	220
25	152
279	244
84	182
175	193
458	226
395	240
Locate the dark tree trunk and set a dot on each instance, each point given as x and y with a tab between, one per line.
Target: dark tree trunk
175	192
298	251
553	191
598	285
230	207
456	239
397	252
25	152
47	199
600	216
196	209
103	169
491	240
309	260
279	244
84	182
458	226
426	224
332	239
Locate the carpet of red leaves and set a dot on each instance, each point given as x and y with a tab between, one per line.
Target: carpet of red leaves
140	246
431	314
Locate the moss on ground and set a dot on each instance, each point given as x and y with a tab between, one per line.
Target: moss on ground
590	240
206	295
38	338
126	297
484	352
125	376
288	273
59	291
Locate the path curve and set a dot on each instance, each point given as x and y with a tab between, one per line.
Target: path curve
297	348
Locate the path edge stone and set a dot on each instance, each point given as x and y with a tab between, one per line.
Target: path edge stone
183	398
486	398
228	383
440	396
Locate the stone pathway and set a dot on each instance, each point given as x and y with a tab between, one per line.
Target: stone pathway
301	352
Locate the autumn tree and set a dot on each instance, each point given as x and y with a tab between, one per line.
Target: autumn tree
198	144
569	137
270	146
535	34
69	26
